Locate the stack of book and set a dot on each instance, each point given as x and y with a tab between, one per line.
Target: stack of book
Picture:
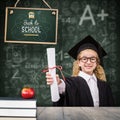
17	109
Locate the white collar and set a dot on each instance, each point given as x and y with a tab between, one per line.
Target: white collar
87	76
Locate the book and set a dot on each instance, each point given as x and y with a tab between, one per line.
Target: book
17	103
17	107
24	112
16	118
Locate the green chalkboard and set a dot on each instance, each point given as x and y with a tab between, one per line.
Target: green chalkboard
22	64
31	25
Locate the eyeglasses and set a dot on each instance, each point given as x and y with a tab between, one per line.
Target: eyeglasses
85	59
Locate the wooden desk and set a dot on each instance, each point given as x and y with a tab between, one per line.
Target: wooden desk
78	113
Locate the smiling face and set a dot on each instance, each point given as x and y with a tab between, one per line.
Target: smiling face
88	60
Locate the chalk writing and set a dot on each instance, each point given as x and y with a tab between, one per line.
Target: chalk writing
24	63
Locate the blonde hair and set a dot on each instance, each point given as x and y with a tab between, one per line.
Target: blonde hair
99	71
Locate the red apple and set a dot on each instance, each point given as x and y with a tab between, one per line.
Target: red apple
27	92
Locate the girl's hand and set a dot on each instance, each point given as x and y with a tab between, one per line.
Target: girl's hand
50	80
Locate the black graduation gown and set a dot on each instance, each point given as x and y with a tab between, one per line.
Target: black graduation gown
77	93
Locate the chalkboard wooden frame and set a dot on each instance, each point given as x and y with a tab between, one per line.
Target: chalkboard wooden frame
31	25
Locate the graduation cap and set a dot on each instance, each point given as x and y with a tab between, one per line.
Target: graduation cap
87	43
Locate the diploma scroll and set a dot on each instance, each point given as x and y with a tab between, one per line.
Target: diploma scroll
51	64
